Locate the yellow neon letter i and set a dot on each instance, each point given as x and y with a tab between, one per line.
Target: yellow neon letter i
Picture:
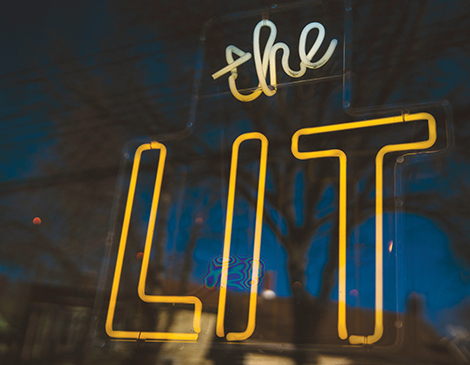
159	336
342	327
239	336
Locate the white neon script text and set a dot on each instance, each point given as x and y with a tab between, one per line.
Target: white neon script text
269	59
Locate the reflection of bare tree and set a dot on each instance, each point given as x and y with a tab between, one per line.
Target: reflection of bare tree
35	244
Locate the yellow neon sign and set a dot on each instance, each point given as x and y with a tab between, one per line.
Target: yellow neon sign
145	261
238	336
269	59
342	327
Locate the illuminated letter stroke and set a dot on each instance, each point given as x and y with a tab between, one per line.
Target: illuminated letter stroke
239	336
145	261
422	145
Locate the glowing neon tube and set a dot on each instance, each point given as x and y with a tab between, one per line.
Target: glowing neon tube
145	261
238	336
422	145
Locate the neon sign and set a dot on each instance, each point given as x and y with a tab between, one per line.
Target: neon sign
268	60
227	263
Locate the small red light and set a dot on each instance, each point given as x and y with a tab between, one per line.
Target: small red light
37	221
140	255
